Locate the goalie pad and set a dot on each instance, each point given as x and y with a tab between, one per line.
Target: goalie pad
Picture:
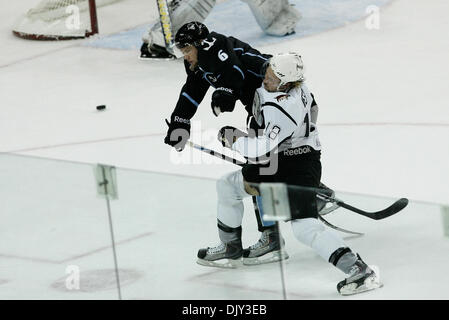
275	17
181	12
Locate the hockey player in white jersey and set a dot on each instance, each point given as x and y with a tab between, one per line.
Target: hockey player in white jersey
275	17
283	106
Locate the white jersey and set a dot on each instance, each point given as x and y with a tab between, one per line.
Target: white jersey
288	124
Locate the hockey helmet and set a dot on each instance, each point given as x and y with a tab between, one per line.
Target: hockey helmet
191	33
288	67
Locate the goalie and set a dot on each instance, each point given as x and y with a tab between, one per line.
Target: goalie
275	17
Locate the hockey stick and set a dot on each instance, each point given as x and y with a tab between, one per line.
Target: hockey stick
215	153
377	215
240	163
397	206
166	25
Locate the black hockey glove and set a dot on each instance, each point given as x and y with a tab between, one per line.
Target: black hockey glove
228	135
178	132
223	100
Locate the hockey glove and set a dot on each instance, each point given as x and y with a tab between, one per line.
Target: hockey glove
178	132
228	135
223	100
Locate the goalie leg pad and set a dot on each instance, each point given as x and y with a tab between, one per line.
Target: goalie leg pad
191	10
275	17
181	12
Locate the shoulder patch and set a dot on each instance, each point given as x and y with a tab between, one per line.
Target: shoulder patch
206	44
282	97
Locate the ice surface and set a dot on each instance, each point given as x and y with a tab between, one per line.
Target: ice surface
383	123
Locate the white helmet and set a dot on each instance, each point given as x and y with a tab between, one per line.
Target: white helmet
288	67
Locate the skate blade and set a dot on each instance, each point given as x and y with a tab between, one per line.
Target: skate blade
351	289
370	283
222	263
274	256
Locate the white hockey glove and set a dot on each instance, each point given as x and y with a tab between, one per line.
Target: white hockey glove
228	135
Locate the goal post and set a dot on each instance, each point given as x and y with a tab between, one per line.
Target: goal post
60	20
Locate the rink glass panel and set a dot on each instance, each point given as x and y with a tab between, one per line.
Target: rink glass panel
410	248
55	241
170	218
54	234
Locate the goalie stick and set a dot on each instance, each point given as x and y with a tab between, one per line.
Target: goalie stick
166	24
377	215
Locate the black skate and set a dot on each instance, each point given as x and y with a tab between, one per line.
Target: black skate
225	255
155	52
266	250
361	278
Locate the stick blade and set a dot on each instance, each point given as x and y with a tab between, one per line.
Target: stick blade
391	210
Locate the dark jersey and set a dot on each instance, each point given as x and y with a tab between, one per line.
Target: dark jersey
222	62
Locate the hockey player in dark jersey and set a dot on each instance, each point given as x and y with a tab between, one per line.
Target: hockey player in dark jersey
227	64
235	70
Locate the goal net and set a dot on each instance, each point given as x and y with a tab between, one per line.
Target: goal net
60	20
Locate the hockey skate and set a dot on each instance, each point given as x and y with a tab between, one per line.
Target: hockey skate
225	255
267	249
154	52
361	278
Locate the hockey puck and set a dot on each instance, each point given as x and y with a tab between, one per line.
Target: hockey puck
101	107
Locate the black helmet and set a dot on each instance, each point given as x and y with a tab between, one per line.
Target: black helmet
191	34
